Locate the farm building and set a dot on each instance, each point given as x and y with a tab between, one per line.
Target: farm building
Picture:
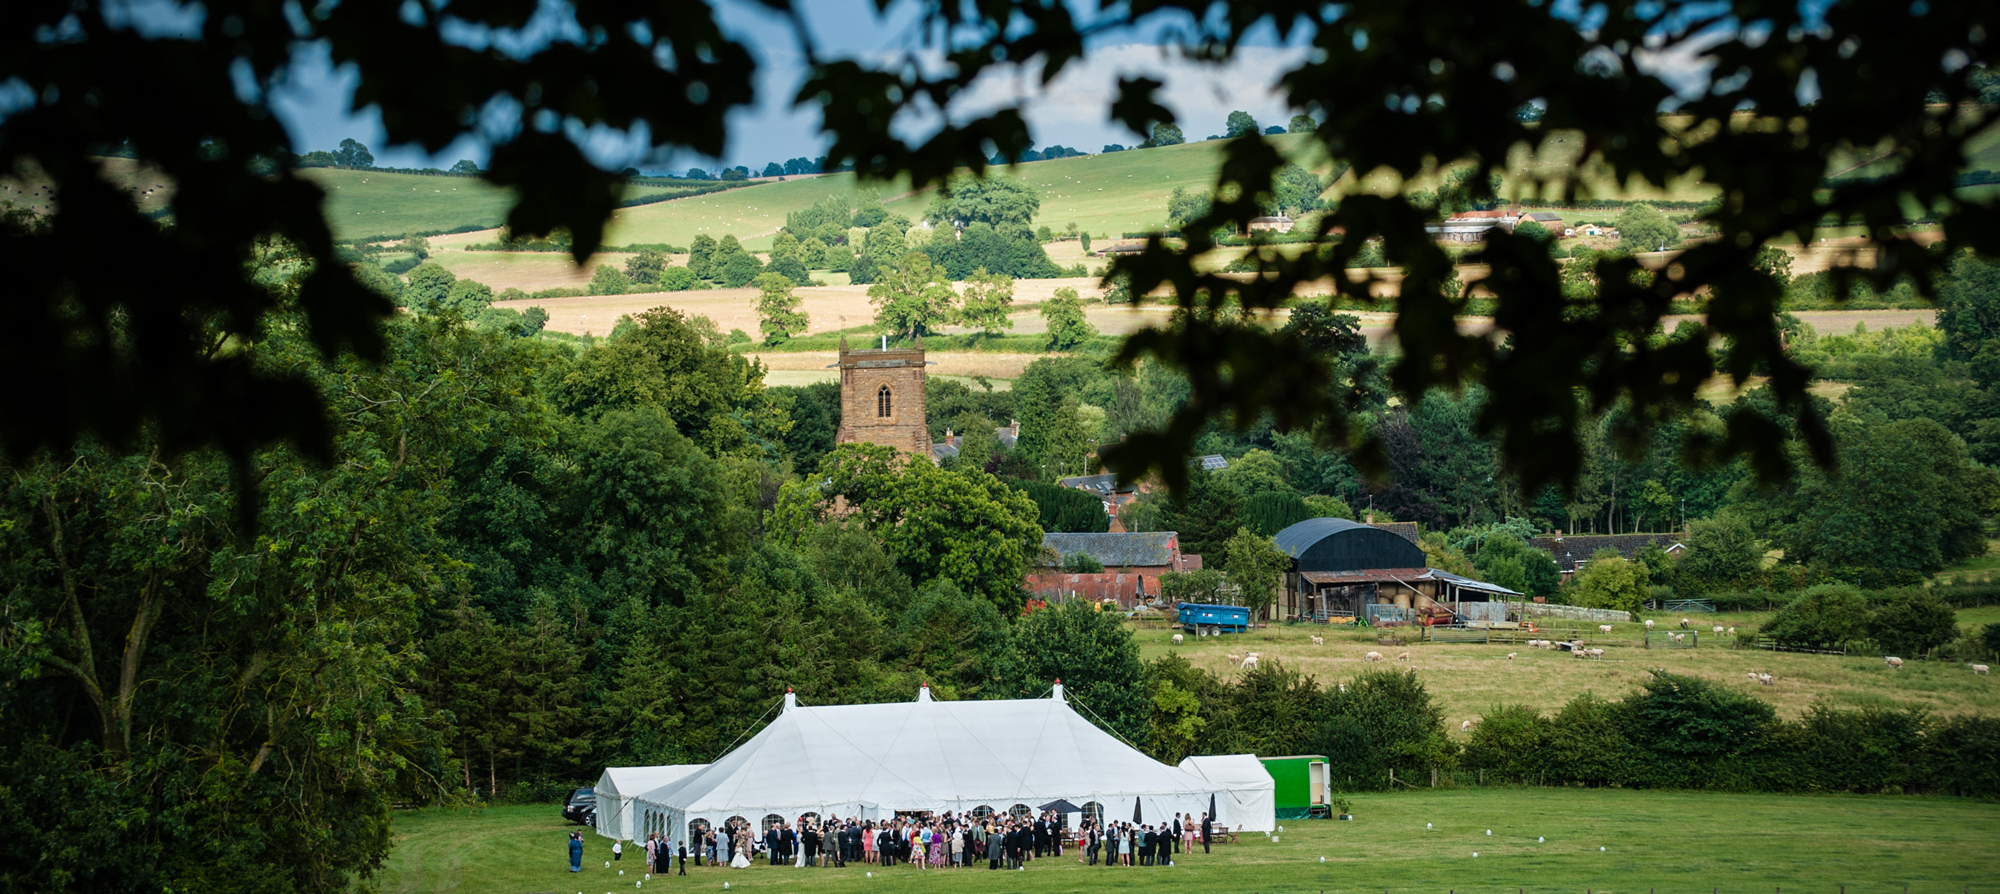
1572	552
1155	552
1132	564
1300	786
1344	569
619	786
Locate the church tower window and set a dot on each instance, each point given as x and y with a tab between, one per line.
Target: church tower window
884	404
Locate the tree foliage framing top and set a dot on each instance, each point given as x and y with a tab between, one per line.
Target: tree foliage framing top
1396	87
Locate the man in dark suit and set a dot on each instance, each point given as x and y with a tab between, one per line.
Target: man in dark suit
1205	830
1041	835
1177	833
1147	845
771	842
683	847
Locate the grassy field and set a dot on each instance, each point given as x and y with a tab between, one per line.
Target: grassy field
363	204
1545	840
1469	679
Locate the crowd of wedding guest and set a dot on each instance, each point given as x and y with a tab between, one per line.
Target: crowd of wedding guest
923	842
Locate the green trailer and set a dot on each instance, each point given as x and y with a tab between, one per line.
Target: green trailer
1303	788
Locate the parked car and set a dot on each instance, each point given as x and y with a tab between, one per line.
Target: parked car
581	807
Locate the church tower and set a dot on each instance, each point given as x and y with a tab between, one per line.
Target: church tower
882	398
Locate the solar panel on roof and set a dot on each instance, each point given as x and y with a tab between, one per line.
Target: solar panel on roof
1213	463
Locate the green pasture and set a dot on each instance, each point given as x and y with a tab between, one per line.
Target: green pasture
1469	679
1680	842
752	213
1104	194
364	204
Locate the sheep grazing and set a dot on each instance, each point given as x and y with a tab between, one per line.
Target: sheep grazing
1372	656
1250	663
1684	623
1752	675
1718	628
1319	641
1649	623
1596	653
1510	656
1403	657
1894	662
1177	639
1980	669
1235	658
1764	679
1465	727
1604	628
1732	631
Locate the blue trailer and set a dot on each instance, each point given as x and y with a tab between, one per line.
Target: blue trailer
1213	620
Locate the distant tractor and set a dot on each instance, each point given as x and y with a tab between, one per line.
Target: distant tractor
1213	620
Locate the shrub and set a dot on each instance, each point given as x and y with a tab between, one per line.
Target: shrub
1688	724
1081	563
1066	510
1385	720
1823	617
1913	622
678	279
1510	739
1611	581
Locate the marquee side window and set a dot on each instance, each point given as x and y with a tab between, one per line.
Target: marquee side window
884	402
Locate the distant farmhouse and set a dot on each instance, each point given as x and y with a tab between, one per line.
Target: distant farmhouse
1475	226
1574	551
1271	224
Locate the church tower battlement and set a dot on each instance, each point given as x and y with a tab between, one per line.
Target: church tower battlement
882	398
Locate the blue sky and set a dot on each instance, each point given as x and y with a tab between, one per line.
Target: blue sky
1071	111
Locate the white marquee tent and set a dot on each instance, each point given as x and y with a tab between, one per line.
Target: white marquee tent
617	788
873	761
1251	793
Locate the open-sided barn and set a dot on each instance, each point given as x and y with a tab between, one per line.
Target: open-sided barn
1345	569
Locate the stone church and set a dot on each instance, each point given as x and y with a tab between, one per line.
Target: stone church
882	398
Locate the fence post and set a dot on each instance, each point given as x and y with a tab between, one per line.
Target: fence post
1434	777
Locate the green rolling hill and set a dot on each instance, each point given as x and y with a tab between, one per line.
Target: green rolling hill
370	204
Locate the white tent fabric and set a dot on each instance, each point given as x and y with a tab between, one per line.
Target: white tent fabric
1252	794
617	788
870	761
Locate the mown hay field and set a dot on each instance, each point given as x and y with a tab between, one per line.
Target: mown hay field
1468	679
1651	842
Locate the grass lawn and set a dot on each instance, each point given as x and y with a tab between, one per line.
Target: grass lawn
1468	679
1654	841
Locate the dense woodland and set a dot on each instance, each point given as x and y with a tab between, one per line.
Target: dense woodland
528	558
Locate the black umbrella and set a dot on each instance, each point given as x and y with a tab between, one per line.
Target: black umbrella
1211	805
1060	805
1135	811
